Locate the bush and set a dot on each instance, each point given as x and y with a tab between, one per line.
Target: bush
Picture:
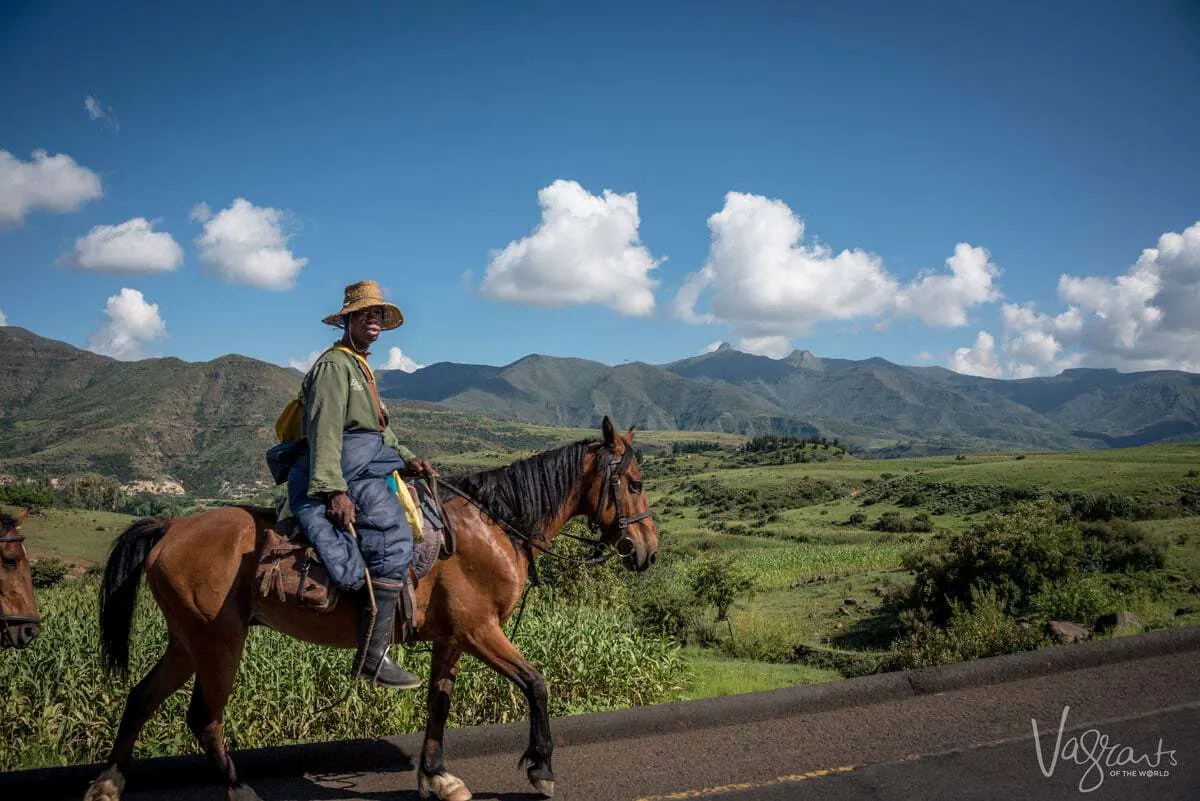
1107	507
90	491
662	602
761	637
685	599
921	524
37	496
856	519
890	522
974	631
1012	556
570	581
1081	600
718	582
47	572
1120	547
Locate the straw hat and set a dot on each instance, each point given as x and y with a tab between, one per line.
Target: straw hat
364	295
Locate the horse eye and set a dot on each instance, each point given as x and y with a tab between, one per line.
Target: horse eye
635	485
11	564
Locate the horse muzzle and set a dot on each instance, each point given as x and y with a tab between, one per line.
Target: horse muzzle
18	632
634	555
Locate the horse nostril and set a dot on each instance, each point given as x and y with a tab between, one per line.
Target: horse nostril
654	557
28	633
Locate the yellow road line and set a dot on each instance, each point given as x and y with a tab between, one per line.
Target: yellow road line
729	788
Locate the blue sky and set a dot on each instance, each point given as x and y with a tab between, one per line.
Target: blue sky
1051	144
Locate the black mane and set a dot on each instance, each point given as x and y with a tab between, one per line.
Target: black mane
529	493
7	522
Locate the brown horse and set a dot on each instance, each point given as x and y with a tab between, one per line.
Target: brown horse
18	606
201	568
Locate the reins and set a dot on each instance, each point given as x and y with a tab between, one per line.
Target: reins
613	470
529	539
609	489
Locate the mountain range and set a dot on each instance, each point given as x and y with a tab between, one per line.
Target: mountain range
207	424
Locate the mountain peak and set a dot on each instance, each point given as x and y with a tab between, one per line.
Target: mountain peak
803	358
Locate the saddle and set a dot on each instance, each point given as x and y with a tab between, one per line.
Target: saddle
290	570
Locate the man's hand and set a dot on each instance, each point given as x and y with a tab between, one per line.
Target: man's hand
341	511
420	467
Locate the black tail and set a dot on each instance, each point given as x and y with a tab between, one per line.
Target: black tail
118	594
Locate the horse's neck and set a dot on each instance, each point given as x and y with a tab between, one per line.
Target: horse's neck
570	508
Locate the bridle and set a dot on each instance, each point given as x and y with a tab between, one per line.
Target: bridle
623	547
14	621
610	488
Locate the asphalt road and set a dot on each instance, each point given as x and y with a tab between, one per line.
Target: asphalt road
971	743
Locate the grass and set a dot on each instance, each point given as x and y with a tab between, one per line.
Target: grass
60	708
715	675
76	536
1141	470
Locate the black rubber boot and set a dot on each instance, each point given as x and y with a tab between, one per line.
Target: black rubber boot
378	666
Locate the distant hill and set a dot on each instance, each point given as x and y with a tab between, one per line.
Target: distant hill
65	410
872	404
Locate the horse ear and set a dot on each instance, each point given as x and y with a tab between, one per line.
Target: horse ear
629	435
610	433
20	518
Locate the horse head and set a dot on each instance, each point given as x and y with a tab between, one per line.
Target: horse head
617	501
18	607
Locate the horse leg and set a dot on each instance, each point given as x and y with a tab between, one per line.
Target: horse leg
495	650
214	684
432	775
169	674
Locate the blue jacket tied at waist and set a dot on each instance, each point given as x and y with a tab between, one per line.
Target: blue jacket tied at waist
384	538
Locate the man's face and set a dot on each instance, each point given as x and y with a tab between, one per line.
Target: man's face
366	325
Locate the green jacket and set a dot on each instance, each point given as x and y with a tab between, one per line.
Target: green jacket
338	398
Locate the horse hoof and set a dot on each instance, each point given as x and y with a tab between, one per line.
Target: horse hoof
106	788
443	786
544	786
242	792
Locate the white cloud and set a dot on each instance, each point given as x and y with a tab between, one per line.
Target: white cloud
132	323
3	320
246	244
775	347
303	365
96	111
54	183
1147	318
396	360
586	250
131	247
979	360
942	300
1034	343
765	282
763	279
200	213
924	356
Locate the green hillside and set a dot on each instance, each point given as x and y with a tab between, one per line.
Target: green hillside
64	410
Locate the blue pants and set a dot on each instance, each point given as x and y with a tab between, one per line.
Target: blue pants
385	540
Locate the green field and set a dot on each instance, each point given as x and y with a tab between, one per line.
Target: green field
810	540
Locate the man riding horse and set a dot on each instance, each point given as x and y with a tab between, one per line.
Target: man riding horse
337	476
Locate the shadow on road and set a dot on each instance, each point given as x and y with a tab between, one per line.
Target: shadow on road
341	787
